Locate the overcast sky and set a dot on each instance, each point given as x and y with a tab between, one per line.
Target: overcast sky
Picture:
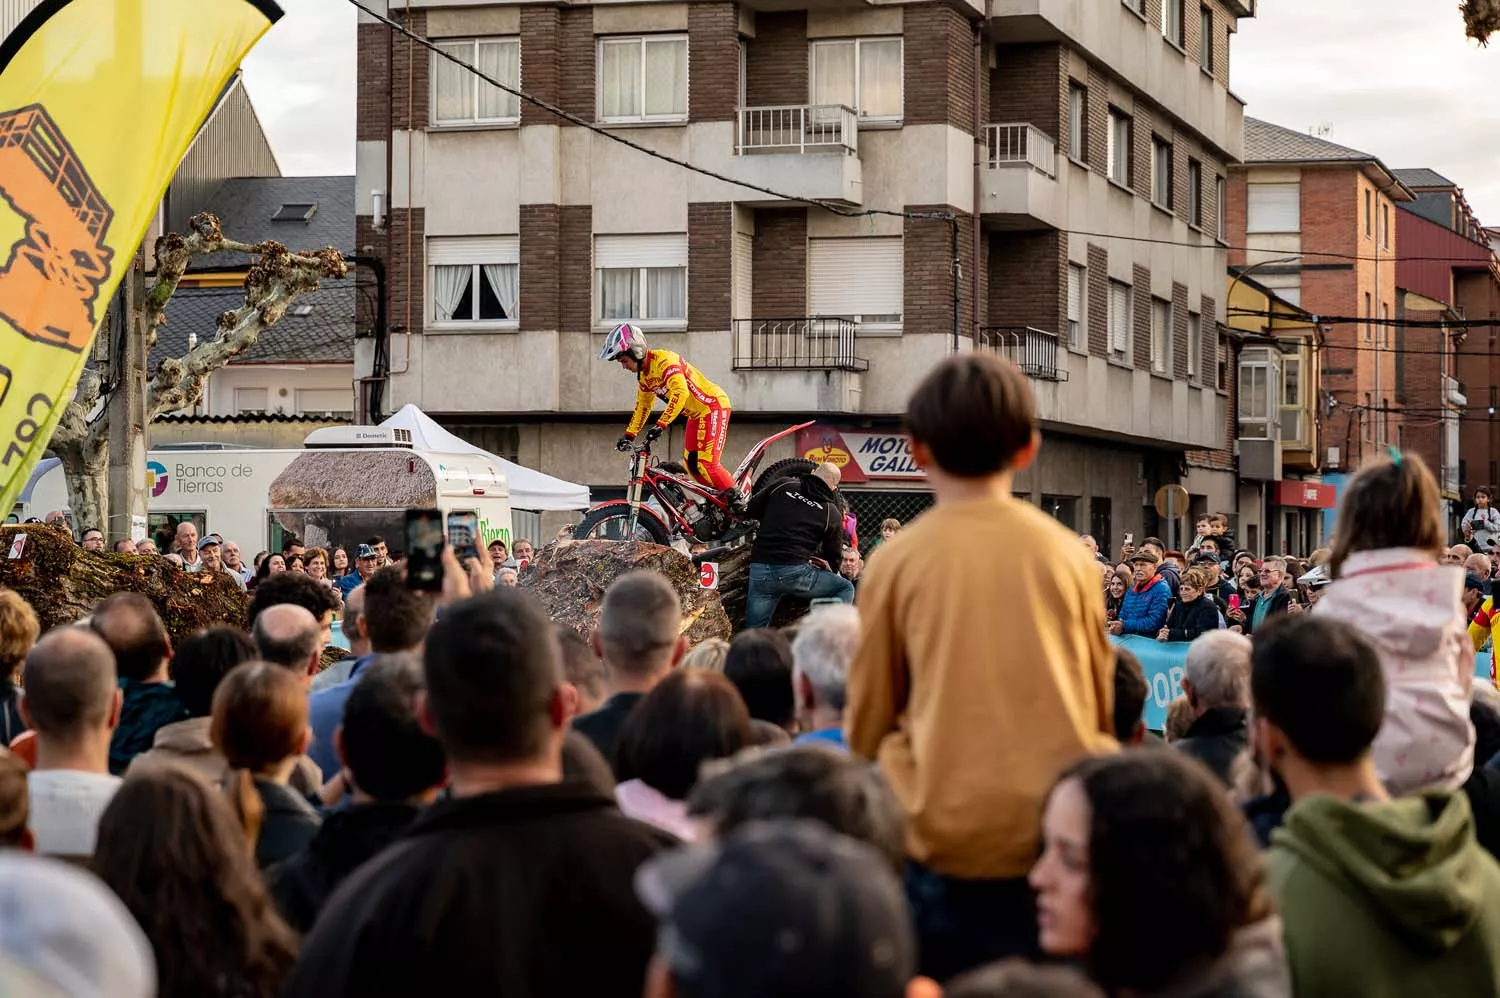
1393	78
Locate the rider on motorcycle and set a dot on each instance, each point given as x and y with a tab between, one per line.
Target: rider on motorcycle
667	375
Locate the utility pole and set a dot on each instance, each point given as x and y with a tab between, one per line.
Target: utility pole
126	411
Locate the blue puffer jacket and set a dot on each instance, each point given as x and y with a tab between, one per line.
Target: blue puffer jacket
1144	610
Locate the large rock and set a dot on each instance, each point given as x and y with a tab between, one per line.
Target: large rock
570	579
734	586
63	582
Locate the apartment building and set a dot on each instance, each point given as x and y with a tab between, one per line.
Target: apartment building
1315	222
881	185
1448	373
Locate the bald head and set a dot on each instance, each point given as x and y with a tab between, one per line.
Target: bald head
830	474
290	636
70	684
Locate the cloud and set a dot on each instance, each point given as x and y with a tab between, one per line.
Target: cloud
302	78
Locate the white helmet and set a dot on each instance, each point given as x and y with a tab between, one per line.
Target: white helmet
624	339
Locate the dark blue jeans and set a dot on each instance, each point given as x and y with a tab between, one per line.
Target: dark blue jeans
965	924
768	583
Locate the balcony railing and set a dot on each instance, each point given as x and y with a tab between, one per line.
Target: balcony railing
1021	144
800	343
799	129
1033	350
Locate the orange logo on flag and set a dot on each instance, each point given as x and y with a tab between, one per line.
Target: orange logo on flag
50	283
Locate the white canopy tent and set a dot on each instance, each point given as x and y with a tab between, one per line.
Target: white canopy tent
529	489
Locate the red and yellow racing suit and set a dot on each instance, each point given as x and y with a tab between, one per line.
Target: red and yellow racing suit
666	375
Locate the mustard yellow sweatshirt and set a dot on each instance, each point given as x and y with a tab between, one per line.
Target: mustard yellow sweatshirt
982	671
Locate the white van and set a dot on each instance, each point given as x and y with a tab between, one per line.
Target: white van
354	482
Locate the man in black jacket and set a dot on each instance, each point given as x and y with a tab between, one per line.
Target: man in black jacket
394	768
800	520
1216	680
522	883
1274	596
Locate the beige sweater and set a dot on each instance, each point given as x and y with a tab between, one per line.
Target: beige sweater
983	671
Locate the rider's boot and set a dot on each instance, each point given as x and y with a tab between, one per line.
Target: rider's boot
736	499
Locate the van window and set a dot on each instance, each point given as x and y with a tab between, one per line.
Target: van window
345	528
162	527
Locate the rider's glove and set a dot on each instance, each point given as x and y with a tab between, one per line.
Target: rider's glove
652	434
626	441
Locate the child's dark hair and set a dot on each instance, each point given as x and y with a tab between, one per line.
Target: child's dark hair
1484	490
975	413
1391	503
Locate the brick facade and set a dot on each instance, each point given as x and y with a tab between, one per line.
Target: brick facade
710	252
1098	300
1179	351
372	105
1098	109
713	62
776	60
575	266
1208	362
1141	325
411	67
779	263
540	74
1030	84
927	295
1028	281
1140	155
406	227
576	50
938	53
541	240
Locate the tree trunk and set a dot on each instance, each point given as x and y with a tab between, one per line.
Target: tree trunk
126	412
85	465
63	582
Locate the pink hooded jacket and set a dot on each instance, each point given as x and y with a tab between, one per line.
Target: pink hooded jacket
1412	610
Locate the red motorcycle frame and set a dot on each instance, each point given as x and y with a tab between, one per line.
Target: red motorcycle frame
683	507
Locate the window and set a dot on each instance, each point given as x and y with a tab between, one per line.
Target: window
1369	420
858	279
1385	225
1161	334
250	401
473	280
642	279
1274	207
460	97
862	73
1369	315
337	401
1221	210
1063	509
1195	343
1368	214
1195	193
1078	121
1291	398
1161	171
1119	320
1139	6
1206	38
1078	306
1259	389
1385	324
1117	153
643	79
1171	21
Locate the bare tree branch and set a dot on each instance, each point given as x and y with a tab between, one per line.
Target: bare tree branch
276	279
72	425
1481	19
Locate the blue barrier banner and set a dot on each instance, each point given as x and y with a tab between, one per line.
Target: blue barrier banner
1163	661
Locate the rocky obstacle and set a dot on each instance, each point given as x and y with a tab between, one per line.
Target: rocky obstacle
63	582
570	578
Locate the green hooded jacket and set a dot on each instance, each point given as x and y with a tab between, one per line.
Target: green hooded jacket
1387	899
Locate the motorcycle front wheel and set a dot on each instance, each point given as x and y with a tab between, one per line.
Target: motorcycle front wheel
612	523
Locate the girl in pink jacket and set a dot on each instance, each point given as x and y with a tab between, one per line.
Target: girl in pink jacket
1389	584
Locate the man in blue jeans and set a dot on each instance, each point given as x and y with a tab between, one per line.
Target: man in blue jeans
800	541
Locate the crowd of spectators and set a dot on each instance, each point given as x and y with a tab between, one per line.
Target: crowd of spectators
914	795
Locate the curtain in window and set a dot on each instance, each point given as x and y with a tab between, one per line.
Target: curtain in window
619	294
504	281
833	73
453	85
666	293
880	78
620	78
501	60
450	289
666	77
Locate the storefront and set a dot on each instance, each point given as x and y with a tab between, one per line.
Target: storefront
880	480
1300	509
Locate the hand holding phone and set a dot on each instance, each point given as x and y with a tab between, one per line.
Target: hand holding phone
1234	601
424	550
463	533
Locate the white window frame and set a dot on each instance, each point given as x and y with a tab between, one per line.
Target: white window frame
1121	320
869	322
814	47
1161	172
1078	119
1171	21
1136	6
605	41
1195	345
1258	365
1292	416
244	401
1161	335
1078	307
1280	207
1195	193
473	79
1221	209
345	408
1121	131
501	251
672	256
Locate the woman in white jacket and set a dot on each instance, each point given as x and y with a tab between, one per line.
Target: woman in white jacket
1389	584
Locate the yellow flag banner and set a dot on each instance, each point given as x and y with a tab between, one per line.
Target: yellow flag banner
99	101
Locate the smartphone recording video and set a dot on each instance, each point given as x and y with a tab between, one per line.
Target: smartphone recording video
424	549
463	534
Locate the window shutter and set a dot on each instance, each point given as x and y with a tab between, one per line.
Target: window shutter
470	250
670	250
1274	207
1077	276
855	276
744	253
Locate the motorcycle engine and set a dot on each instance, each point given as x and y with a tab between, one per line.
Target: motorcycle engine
708	521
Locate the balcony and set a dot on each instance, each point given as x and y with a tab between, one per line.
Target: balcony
1032	350
807	150
798	364
1020	185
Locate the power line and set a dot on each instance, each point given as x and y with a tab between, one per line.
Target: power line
1370	320
1214	244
